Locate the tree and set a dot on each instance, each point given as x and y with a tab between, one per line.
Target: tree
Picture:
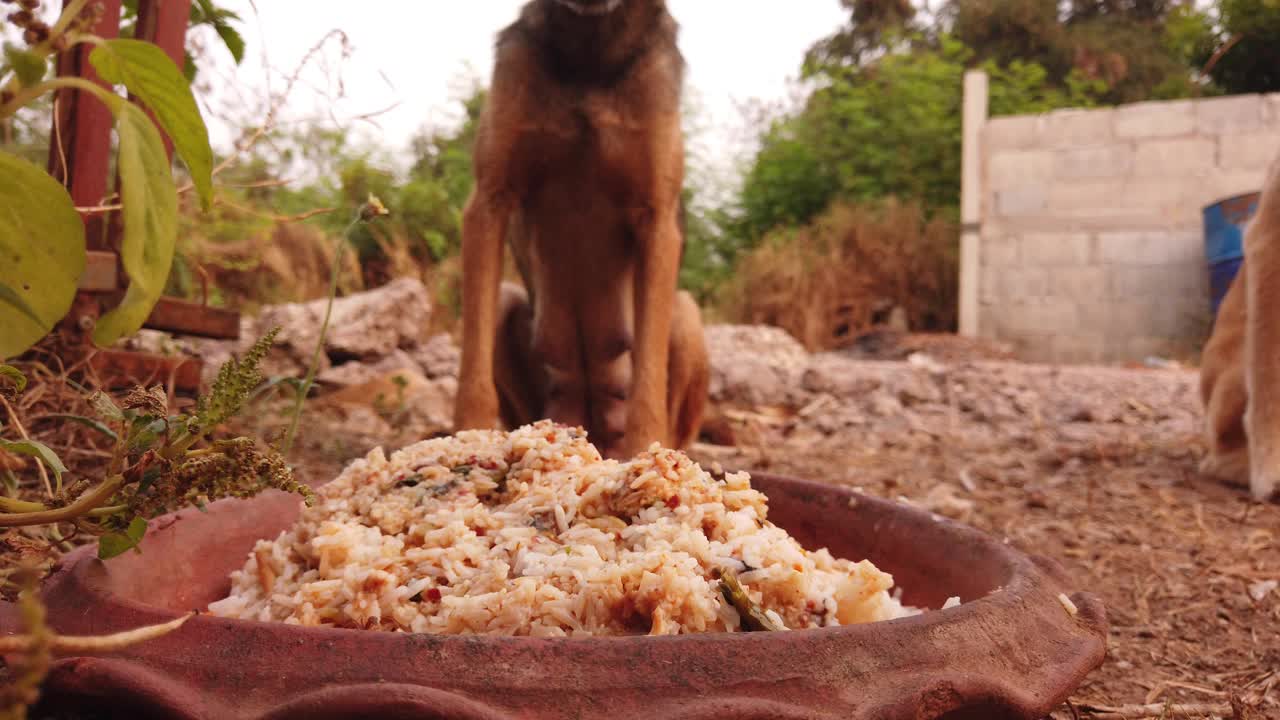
1241	52
871	25
890	128
1122	43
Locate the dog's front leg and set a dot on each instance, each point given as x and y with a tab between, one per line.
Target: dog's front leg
1262	341
656	274
484	225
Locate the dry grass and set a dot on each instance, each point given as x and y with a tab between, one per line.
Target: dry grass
838	276
285	262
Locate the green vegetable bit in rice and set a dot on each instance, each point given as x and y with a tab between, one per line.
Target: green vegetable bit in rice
533	533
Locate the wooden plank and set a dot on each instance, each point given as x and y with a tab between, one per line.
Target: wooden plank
120	369
188	318
100	272
80	139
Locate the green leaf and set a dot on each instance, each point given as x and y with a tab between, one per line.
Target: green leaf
87	422
114	544
144	432
150	214
105	407
42	254
189	66
149	478
232	39
11	297
151	75
37	450
28	66
15	376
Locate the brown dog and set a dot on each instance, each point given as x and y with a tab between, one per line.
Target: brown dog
1240	369
579	165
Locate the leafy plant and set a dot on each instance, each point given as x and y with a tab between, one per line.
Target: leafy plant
369	211
41	236
160	460
204	13
889	128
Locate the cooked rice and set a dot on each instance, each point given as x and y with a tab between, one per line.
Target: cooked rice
532	533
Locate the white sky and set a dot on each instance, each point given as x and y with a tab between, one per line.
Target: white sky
418	56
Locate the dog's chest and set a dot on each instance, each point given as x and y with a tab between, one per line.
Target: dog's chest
596	140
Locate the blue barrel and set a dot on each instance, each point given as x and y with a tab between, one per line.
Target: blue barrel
1224	223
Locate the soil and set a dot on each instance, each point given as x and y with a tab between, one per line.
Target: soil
1095	467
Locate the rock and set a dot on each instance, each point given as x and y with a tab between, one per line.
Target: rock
365	325
926	362
357	373
839	376
1260	590
884	404
406	395
376	327
917	387
438	357
754	364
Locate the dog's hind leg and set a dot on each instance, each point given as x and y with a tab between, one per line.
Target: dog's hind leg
689	373
520	378
1262	341
1222	390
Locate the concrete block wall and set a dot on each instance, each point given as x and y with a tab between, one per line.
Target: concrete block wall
1091	240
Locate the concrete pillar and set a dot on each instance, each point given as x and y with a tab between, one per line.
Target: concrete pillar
974	118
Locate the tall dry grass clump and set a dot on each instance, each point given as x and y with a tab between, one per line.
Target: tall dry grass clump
839	275
281	262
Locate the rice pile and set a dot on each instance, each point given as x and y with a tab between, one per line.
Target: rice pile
532	533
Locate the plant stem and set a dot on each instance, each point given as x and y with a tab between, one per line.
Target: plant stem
13	505
324	329
22	432
26	95
69	14
90	500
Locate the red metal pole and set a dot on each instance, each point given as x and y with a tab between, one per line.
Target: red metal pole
80	141
164	22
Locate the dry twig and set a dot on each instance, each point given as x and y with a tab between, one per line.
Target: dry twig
1170	711
66	644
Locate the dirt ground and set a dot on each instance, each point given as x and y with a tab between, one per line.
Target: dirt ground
1094	466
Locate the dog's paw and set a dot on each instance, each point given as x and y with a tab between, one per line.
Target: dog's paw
629	446
476	411
1228	467
1264	481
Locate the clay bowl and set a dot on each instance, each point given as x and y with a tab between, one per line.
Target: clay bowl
1012	650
